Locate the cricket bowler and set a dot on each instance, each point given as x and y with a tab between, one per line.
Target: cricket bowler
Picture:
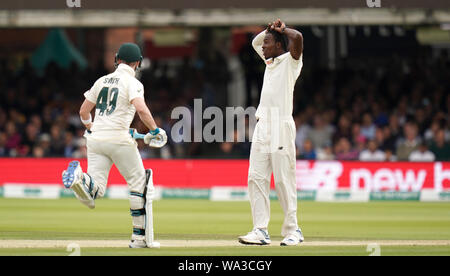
116	98
273	143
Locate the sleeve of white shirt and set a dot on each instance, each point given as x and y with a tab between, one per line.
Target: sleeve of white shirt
258	42
91	94
296	65
296	62
135	90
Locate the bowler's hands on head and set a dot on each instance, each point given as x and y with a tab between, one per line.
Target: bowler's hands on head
295	37
278	26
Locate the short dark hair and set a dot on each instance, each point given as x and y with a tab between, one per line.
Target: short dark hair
279	37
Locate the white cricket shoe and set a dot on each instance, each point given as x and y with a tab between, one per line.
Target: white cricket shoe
72	175
73	178
143	244
256	237
137	244
293	239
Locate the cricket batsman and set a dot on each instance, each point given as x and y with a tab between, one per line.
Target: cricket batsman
116	98
273	143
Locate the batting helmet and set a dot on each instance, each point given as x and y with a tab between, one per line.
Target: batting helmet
129	52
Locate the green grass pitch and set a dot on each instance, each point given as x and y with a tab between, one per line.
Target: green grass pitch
67	219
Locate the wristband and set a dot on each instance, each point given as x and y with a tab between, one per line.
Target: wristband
88	121
154	132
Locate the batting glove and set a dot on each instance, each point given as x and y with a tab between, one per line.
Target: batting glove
156	138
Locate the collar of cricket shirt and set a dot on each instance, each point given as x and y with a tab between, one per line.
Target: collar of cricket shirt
126	68
277	60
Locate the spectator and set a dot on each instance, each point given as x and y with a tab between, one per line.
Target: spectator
326	153
430	133
422	154
389	140
372	153
37	122
4	152
44	145
57	141
390	156
329	117
17	117
31	135
79	137
302	132
421	119
308	152
394	127
3	117
367	127
38	152
356	133
402	111
381	118
343	129
440	147
13	138
360	143
409	143
231	149
69	144
81	151
379	137
343	150
320	135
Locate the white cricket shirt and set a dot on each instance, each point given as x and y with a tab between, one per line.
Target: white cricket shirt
114	112
280	77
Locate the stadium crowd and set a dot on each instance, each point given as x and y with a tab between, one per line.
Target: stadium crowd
394	109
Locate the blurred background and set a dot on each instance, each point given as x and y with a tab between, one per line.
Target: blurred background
374	86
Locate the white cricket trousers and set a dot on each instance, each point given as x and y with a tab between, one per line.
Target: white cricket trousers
126	157
273	152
